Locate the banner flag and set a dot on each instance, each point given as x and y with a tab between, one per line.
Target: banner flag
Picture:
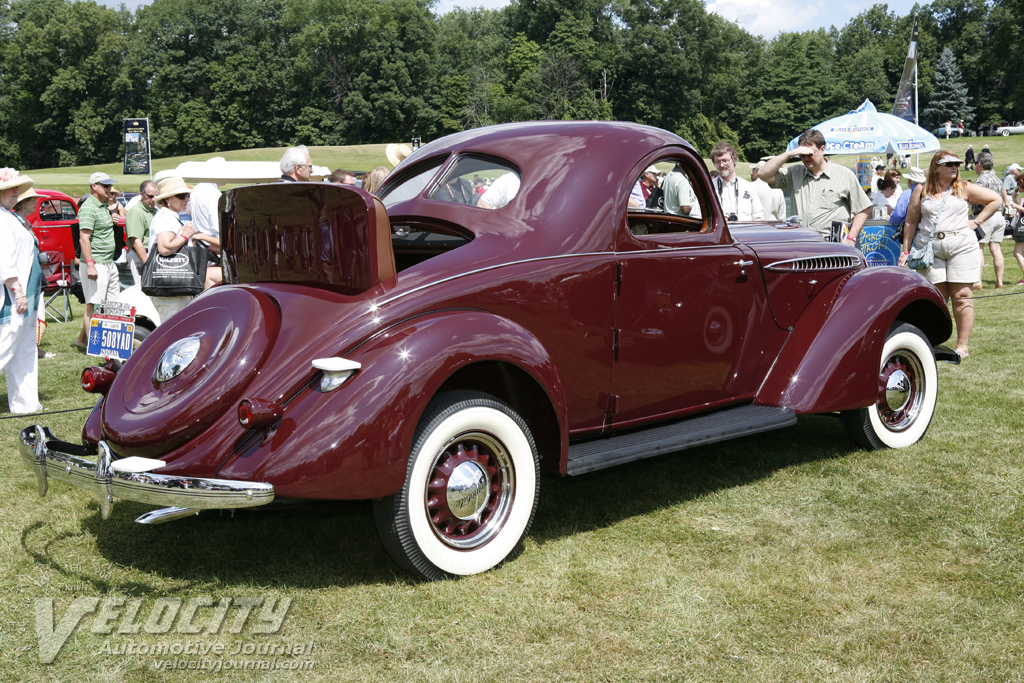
136	147
905	106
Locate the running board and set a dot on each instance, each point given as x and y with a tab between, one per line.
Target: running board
722	425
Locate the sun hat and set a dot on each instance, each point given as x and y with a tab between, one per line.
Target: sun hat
949	159
915	176
100	178
652	169
11	178
396	152
27	194
168	187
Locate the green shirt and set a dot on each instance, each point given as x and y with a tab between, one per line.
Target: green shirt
137	223
835	195
96	218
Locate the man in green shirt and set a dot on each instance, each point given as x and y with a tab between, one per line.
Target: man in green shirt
137	224
822	191
97	269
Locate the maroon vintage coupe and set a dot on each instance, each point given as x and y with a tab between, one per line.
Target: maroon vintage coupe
435	349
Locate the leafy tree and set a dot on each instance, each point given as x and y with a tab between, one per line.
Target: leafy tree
795	89
949	98
373	61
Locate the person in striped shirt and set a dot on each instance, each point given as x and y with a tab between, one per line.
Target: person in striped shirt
96	269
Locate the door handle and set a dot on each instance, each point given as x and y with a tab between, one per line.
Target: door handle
743	263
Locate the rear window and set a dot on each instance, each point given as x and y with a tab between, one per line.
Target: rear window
478	181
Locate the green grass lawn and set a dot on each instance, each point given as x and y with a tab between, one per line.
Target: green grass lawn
790	556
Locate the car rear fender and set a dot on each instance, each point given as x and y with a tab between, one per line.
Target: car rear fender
353	443
830	361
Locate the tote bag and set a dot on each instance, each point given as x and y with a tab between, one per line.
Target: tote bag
183	273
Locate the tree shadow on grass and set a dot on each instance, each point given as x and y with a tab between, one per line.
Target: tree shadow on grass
336	544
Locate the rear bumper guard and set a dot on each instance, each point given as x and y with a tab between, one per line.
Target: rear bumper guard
51	458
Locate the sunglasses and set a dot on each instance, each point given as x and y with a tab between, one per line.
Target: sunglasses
183	195
148	196
950	163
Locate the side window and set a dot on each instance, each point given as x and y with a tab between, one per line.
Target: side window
477	181
413	182
67	210
49	211
668	197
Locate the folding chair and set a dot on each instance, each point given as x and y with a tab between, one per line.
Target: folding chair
57	288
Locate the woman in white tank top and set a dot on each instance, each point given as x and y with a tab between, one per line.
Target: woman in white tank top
938	213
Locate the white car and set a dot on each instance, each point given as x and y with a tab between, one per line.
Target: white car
1015	129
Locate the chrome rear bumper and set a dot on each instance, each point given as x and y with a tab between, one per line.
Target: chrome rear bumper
68	462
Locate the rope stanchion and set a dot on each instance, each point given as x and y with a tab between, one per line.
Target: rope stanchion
45	412
992	296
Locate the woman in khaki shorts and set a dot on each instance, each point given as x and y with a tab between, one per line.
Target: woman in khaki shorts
938	213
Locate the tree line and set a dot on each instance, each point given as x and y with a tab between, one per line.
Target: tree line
229	74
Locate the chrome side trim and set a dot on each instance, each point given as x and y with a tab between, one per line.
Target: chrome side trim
50	457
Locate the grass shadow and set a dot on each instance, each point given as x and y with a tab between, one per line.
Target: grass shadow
336	544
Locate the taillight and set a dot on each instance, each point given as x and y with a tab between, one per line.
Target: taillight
97	380
256	414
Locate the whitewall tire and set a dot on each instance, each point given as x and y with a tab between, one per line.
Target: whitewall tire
470	492
907	388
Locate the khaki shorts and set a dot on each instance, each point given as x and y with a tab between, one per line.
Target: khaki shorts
105	287
956	258
993	228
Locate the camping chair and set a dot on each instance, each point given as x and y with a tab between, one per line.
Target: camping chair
57	288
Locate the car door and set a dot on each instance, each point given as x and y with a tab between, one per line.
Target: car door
691	318
56	226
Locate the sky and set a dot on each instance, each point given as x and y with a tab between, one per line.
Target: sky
765	18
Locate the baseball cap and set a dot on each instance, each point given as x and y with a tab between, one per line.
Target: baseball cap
1012	167
100	178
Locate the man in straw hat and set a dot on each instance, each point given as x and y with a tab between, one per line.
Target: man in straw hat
396	152
97	269
22	282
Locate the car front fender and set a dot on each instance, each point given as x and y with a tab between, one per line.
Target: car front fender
354	442
830	361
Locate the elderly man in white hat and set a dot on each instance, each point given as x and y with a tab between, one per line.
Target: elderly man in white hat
97	269
1010	178
22	281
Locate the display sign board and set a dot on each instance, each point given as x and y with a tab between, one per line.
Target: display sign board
136	147
112	331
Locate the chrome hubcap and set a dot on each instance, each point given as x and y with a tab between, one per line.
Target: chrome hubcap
897	390
176	358
901	391
467	490
470	491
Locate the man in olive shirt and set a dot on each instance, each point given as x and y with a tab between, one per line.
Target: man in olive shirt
137	225
822	191
96	237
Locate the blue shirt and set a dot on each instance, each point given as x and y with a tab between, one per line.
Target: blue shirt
899	214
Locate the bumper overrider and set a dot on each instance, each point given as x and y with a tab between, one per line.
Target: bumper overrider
110	477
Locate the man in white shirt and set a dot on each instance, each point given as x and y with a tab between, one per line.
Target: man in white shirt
680	198
205	211
738	197
500	193
772	201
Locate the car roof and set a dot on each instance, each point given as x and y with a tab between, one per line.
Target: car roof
573	174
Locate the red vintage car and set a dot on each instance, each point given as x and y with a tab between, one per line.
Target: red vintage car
55	223
434	350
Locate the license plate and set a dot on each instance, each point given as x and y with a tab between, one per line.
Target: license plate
111	338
